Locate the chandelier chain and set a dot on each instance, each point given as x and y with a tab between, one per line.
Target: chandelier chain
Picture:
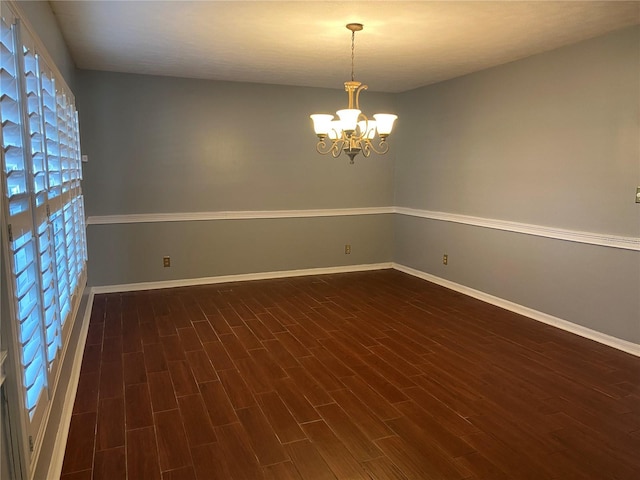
353	42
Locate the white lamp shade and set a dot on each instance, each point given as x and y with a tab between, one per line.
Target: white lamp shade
385	122
335	130
321	123
367	129
348	118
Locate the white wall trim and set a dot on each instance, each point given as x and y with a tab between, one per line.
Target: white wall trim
601	239
234	215
243	277
624	345
57	455
591	238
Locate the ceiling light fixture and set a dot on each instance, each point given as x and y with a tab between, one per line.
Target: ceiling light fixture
353	132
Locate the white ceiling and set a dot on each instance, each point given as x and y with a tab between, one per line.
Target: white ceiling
404	45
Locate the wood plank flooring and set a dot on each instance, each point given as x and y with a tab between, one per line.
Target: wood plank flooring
374	375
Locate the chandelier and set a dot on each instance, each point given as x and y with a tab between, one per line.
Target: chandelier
353	132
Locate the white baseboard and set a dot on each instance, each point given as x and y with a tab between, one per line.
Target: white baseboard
617	343
57	456
243	277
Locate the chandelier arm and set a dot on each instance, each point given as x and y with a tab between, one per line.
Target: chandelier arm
363	133
383	147
366	148
322	148
336	148
358	90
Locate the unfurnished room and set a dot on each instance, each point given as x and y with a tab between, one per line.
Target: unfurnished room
319	240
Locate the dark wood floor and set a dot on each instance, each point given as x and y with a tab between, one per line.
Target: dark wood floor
366	375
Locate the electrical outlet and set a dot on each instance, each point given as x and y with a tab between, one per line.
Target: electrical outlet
166	262
347	249
445	259
638	195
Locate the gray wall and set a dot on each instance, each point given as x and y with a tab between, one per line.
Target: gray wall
596	287
550	140
132	253
170	145
162	144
